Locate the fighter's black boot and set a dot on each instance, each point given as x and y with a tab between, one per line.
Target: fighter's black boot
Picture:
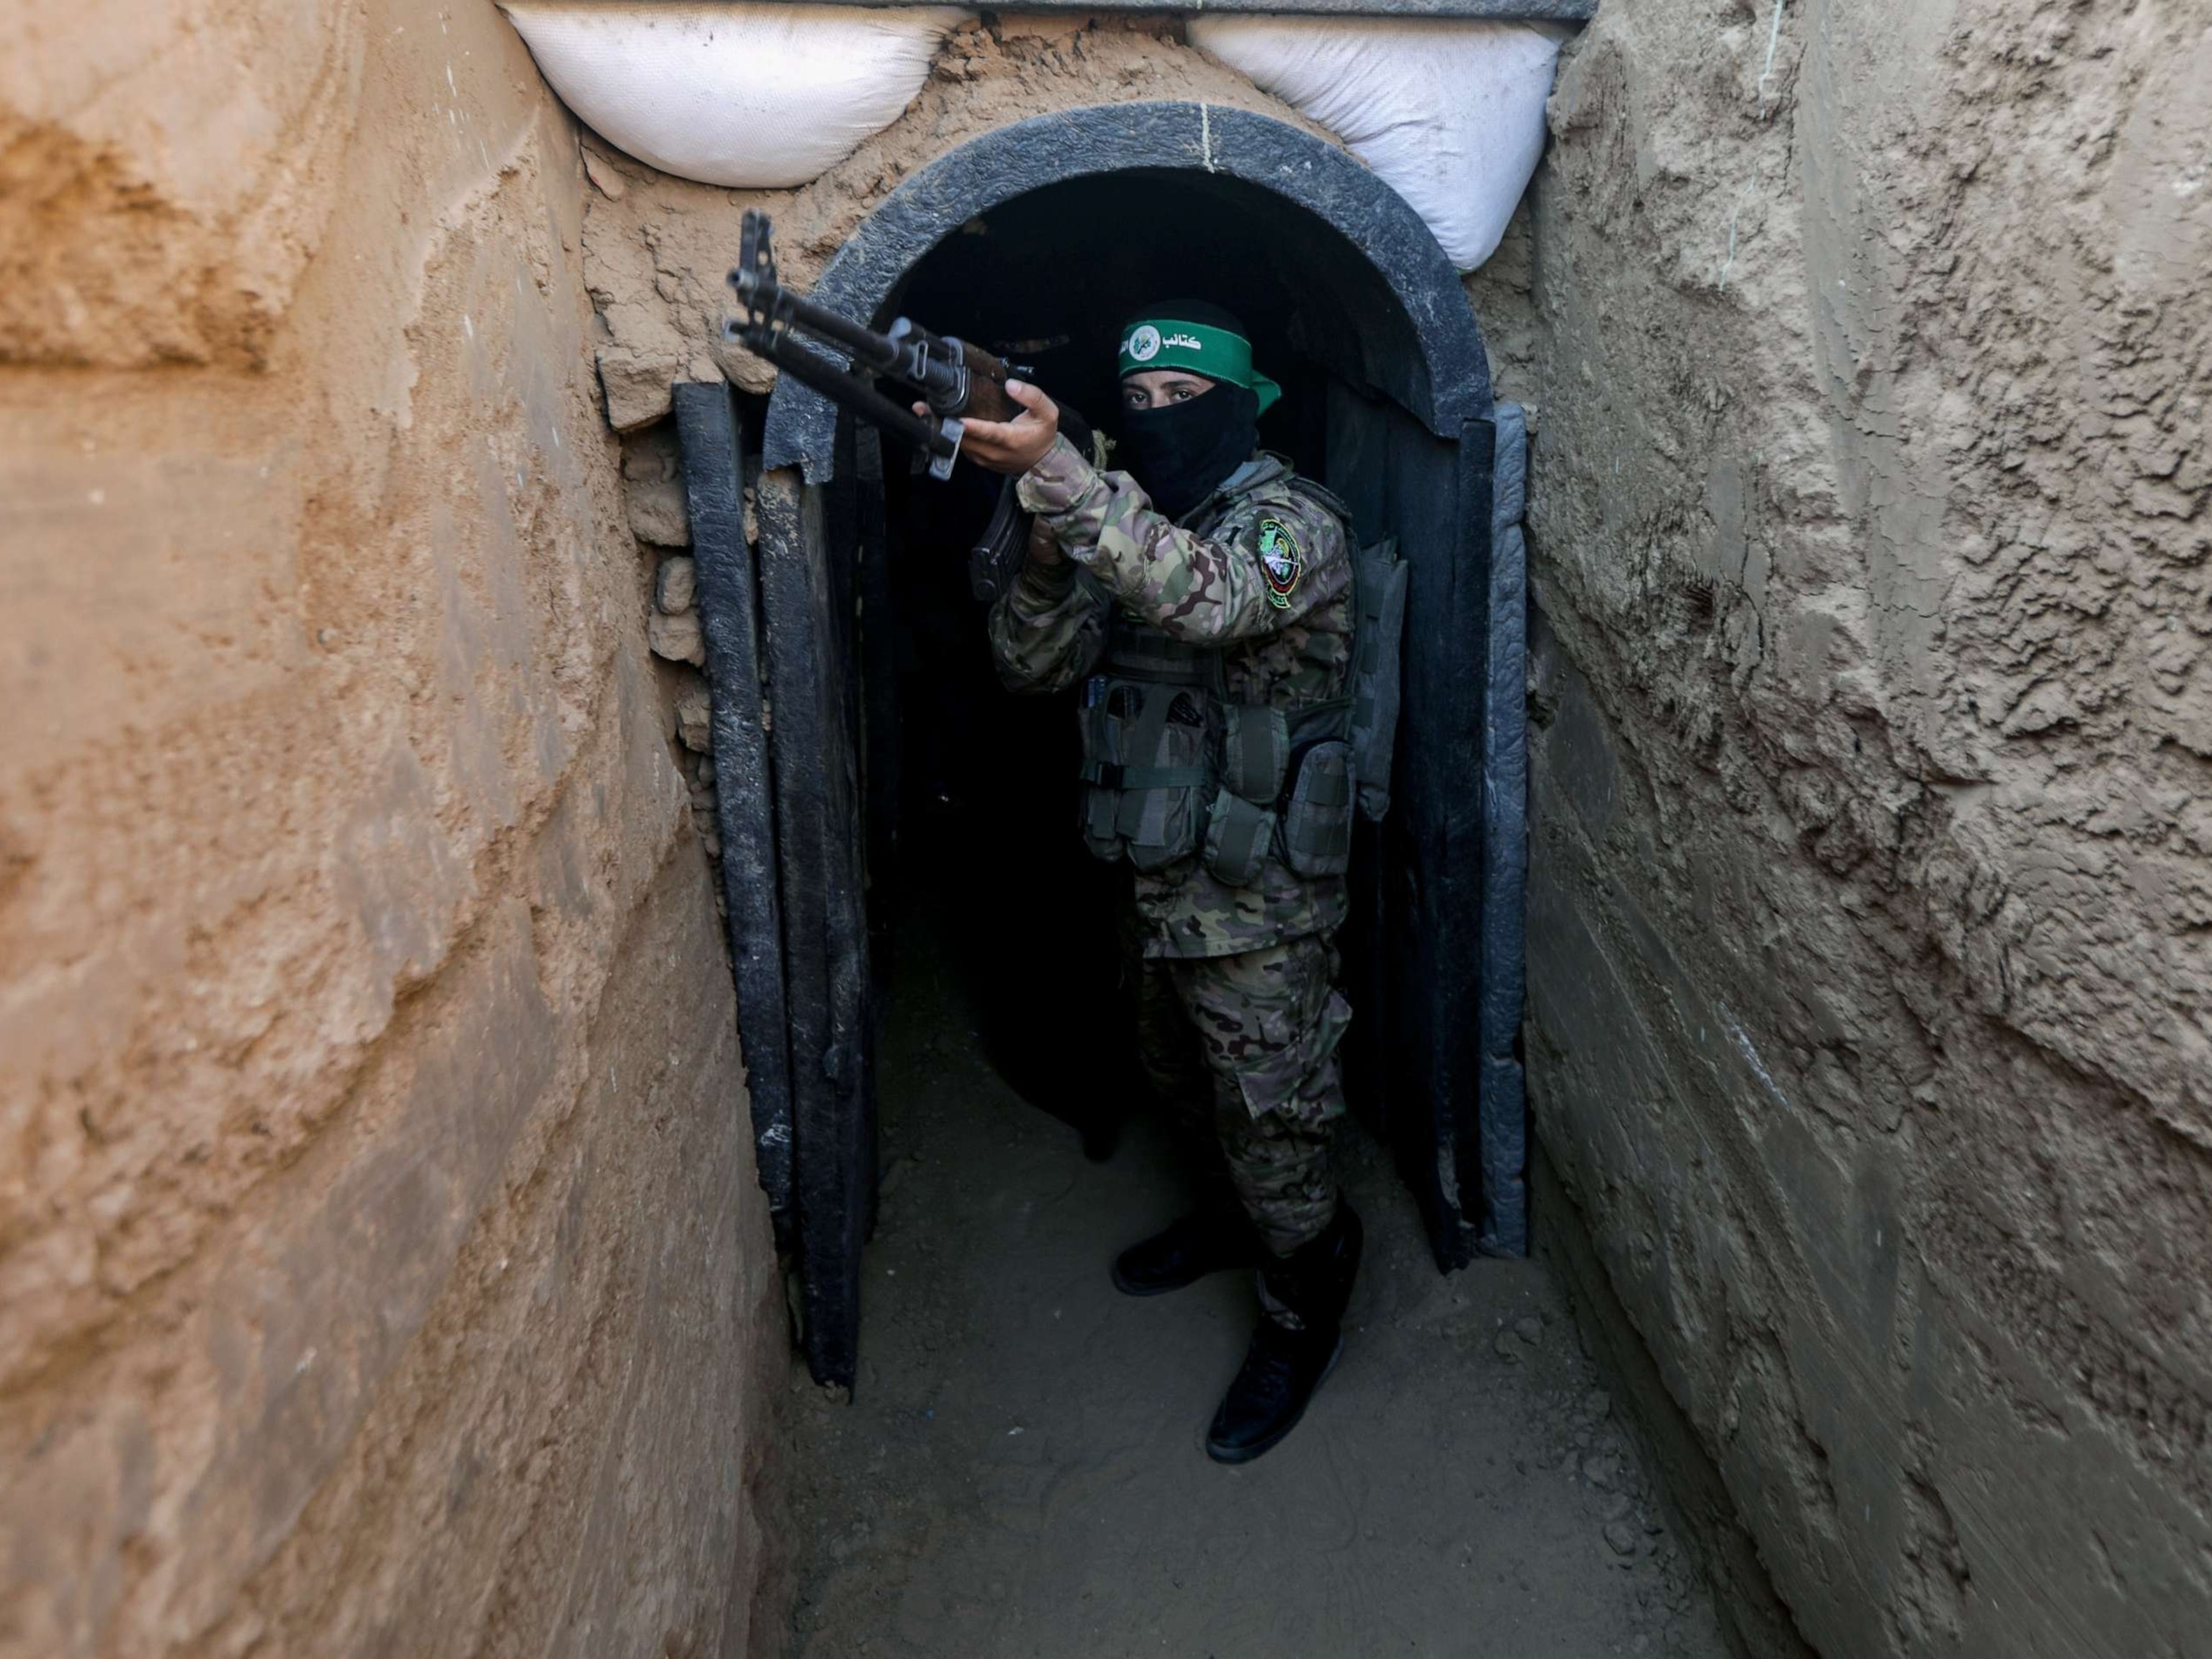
1284	1366
1215	1236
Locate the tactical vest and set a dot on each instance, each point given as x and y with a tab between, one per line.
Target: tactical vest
1171	767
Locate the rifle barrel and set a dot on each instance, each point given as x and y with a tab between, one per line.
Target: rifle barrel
857	395
867	346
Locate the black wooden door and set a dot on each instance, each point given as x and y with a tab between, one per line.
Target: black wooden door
809	564
713	440
1413	946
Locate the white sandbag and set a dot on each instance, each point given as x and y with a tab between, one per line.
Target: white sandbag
1449	114
753	97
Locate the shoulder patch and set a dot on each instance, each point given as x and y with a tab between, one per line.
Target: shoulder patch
1282	560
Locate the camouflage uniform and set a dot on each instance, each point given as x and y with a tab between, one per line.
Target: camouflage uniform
1250	969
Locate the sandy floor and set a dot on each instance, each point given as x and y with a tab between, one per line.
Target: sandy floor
1020	1473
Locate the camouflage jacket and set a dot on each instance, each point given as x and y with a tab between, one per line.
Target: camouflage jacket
1261	571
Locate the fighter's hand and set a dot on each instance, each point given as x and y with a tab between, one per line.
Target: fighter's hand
1016	446
1044	546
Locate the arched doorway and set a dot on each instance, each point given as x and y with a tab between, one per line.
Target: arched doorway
1391	406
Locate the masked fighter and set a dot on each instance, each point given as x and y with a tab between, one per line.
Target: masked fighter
1203	597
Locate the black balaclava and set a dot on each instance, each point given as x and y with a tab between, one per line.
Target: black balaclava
1183	452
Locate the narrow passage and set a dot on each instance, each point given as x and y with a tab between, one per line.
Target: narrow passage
1020	1476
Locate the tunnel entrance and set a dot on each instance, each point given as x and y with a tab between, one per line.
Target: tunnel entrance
892	761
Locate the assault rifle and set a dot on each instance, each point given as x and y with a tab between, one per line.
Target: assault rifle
953	377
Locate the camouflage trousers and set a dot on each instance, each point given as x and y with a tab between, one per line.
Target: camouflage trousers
1243	1048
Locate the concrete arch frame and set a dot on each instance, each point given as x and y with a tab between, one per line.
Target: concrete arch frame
1434	948
1271	155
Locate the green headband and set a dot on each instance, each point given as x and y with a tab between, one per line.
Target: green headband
1149	343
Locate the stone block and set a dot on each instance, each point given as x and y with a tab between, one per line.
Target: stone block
675	585
694	718
637	381
678	638
653	486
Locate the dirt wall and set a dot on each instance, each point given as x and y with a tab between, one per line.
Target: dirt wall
1870	928
381	1263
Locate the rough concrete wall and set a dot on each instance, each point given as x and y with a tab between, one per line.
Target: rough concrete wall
381	1265
1871	929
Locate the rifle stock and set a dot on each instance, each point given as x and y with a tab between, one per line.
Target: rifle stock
955	377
